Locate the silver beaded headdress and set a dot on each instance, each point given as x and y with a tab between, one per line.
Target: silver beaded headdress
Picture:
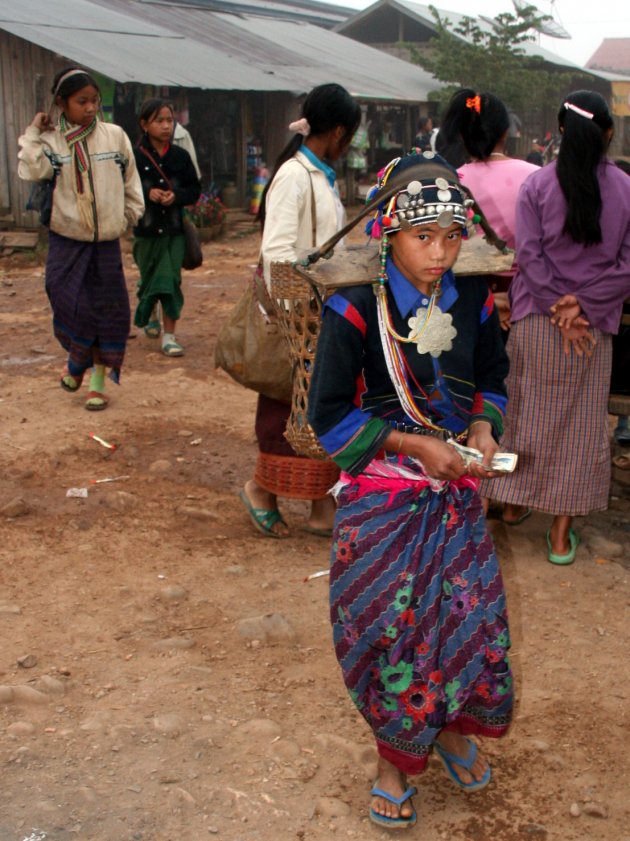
429	192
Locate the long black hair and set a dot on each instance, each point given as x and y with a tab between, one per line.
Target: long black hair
325	108
78	78
475	120
584	143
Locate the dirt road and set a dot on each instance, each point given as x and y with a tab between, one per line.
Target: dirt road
179	681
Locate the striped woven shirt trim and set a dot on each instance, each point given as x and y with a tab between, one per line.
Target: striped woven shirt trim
346	310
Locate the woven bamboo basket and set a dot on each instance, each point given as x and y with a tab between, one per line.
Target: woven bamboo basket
299	306
300	293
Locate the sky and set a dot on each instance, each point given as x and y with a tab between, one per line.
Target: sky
587	22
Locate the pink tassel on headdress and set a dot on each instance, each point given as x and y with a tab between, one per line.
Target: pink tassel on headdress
376	231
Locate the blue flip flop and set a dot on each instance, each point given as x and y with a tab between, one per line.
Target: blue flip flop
394	823
450	760
563	560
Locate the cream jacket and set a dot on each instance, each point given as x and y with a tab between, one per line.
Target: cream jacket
288	232
118	200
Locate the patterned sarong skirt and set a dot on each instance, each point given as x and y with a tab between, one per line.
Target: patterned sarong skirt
557	423
85	284
418	610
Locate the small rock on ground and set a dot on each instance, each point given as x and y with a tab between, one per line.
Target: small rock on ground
16	507
272	627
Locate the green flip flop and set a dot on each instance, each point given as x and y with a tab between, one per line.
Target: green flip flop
153	330
263	519
563	560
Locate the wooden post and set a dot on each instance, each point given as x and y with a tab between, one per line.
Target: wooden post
5	198
241	151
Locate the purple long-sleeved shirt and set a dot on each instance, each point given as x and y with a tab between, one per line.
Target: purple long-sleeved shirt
552	265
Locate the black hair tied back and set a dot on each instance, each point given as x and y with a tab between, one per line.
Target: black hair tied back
584	120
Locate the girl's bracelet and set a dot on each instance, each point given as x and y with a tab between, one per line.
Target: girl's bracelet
470	425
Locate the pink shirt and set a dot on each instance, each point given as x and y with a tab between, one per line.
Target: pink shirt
495	184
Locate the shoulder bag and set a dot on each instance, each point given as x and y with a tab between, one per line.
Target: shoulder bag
250	347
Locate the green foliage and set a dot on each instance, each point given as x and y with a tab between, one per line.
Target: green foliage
465	55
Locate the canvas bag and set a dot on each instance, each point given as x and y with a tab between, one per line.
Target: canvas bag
250	347
193	255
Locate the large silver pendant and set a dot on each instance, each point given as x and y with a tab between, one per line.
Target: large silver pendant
433	336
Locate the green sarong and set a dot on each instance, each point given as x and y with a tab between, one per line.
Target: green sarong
160	262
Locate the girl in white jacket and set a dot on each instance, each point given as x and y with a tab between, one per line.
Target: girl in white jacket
300	210
96	193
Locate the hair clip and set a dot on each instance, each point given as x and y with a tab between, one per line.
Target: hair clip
474	103
569	106
300	126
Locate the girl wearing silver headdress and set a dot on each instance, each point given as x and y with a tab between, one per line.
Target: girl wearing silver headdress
403	367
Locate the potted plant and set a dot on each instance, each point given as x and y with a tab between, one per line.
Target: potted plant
208	215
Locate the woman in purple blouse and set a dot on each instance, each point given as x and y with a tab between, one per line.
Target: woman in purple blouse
573	248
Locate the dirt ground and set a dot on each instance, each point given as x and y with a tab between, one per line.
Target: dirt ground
157	703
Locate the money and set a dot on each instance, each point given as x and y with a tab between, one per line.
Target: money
501	462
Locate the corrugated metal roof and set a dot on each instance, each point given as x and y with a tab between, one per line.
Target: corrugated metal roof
192	47
310	11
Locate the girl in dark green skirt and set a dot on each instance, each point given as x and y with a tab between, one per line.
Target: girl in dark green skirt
169	182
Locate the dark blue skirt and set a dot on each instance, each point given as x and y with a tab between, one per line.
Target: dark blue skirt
85	284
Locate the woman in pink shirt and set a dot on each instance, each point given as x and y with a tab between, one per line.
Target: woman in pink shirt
480	122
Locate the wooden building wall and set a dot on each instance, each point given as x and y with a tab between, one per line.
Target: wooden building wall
26	74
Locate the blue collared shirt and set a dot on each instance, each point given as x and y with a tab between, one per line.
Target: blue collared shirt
409	299
328	171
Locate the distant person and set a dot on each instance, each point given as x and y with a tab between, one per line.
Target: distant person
573	242
424	131
182	138
535	157
96	195
434	133
169	182
514	132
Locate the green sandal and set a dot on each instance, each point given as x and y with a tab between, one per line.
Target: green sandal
264	519
153	330
563	560
172	349
69	382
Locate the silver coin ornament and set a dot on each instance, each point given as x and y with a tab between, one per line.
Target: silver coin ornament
432	331
444	195
403	201
445	218
414	187
441	183
428	155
